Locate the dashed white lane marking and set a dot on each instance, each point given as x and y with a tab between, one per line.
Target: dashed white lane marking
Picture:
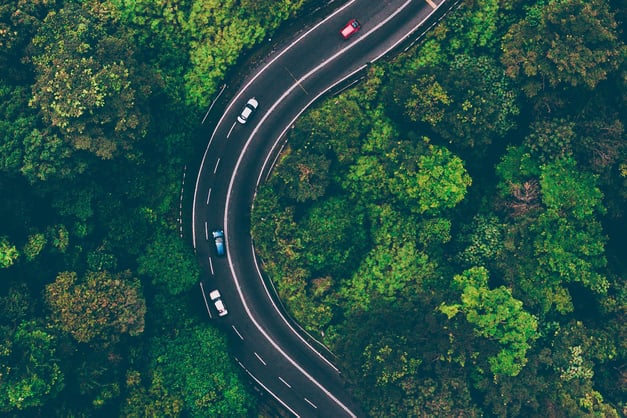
230	191
310	403
284	382
230	130
242	91
260	359
268	390
215	169
208	196
206	231
211	265
237	332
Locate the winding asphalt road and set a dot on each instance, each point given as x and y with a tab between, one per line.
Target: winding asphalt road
281	359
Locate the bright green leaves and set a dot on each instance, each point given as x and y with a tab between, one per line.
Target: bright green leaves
557	206
219	32
388	365
569	243
29	368
495	315
428	101
388	273
8	253
101	307
438	182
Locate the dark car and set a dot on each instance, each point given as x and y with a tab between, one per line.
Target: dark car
351	28
218	239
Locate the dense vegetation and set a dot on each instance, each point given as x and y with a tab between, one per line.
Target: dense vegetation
454	228
100	104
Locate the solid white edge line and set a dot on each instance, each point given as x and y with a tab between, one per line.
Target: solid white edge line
259	179
202	289
276	308
213	103
237	96
230	190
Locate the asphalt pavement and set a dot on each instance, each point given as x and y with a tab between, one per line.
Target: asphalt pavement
291	367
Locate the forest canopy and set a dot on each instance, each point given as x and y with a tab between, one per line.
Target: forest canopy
476	195
100	109
474	185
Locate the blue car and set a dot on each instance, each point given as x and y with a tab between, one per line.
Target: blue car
218	239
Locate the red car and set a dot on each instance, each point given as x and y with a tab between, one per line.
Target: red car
351	28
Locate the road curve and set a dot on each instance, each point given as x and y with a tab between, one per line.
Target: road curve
291	367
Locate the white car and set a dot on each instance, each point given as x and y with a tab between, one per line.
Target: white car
215	297
248	110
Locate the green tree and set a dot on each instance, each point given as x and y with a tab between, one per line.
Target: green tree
305	176
565	42
156	400
469	105
29	368
551	139
8	253
195	366
170	263
498	316
390	272
87	86
102	306
34	246
334	236
437	182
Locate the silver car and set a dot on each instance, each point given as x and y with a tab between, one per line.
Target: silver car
248	110
216	298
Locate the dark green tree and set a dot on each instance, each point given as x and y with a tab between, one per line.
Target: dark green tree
170	263
565	43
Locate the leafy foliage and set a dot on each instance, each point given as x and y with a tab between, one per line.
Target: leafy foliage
170	263
29	367
498	316
195	365
101	303
494	145
565	42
